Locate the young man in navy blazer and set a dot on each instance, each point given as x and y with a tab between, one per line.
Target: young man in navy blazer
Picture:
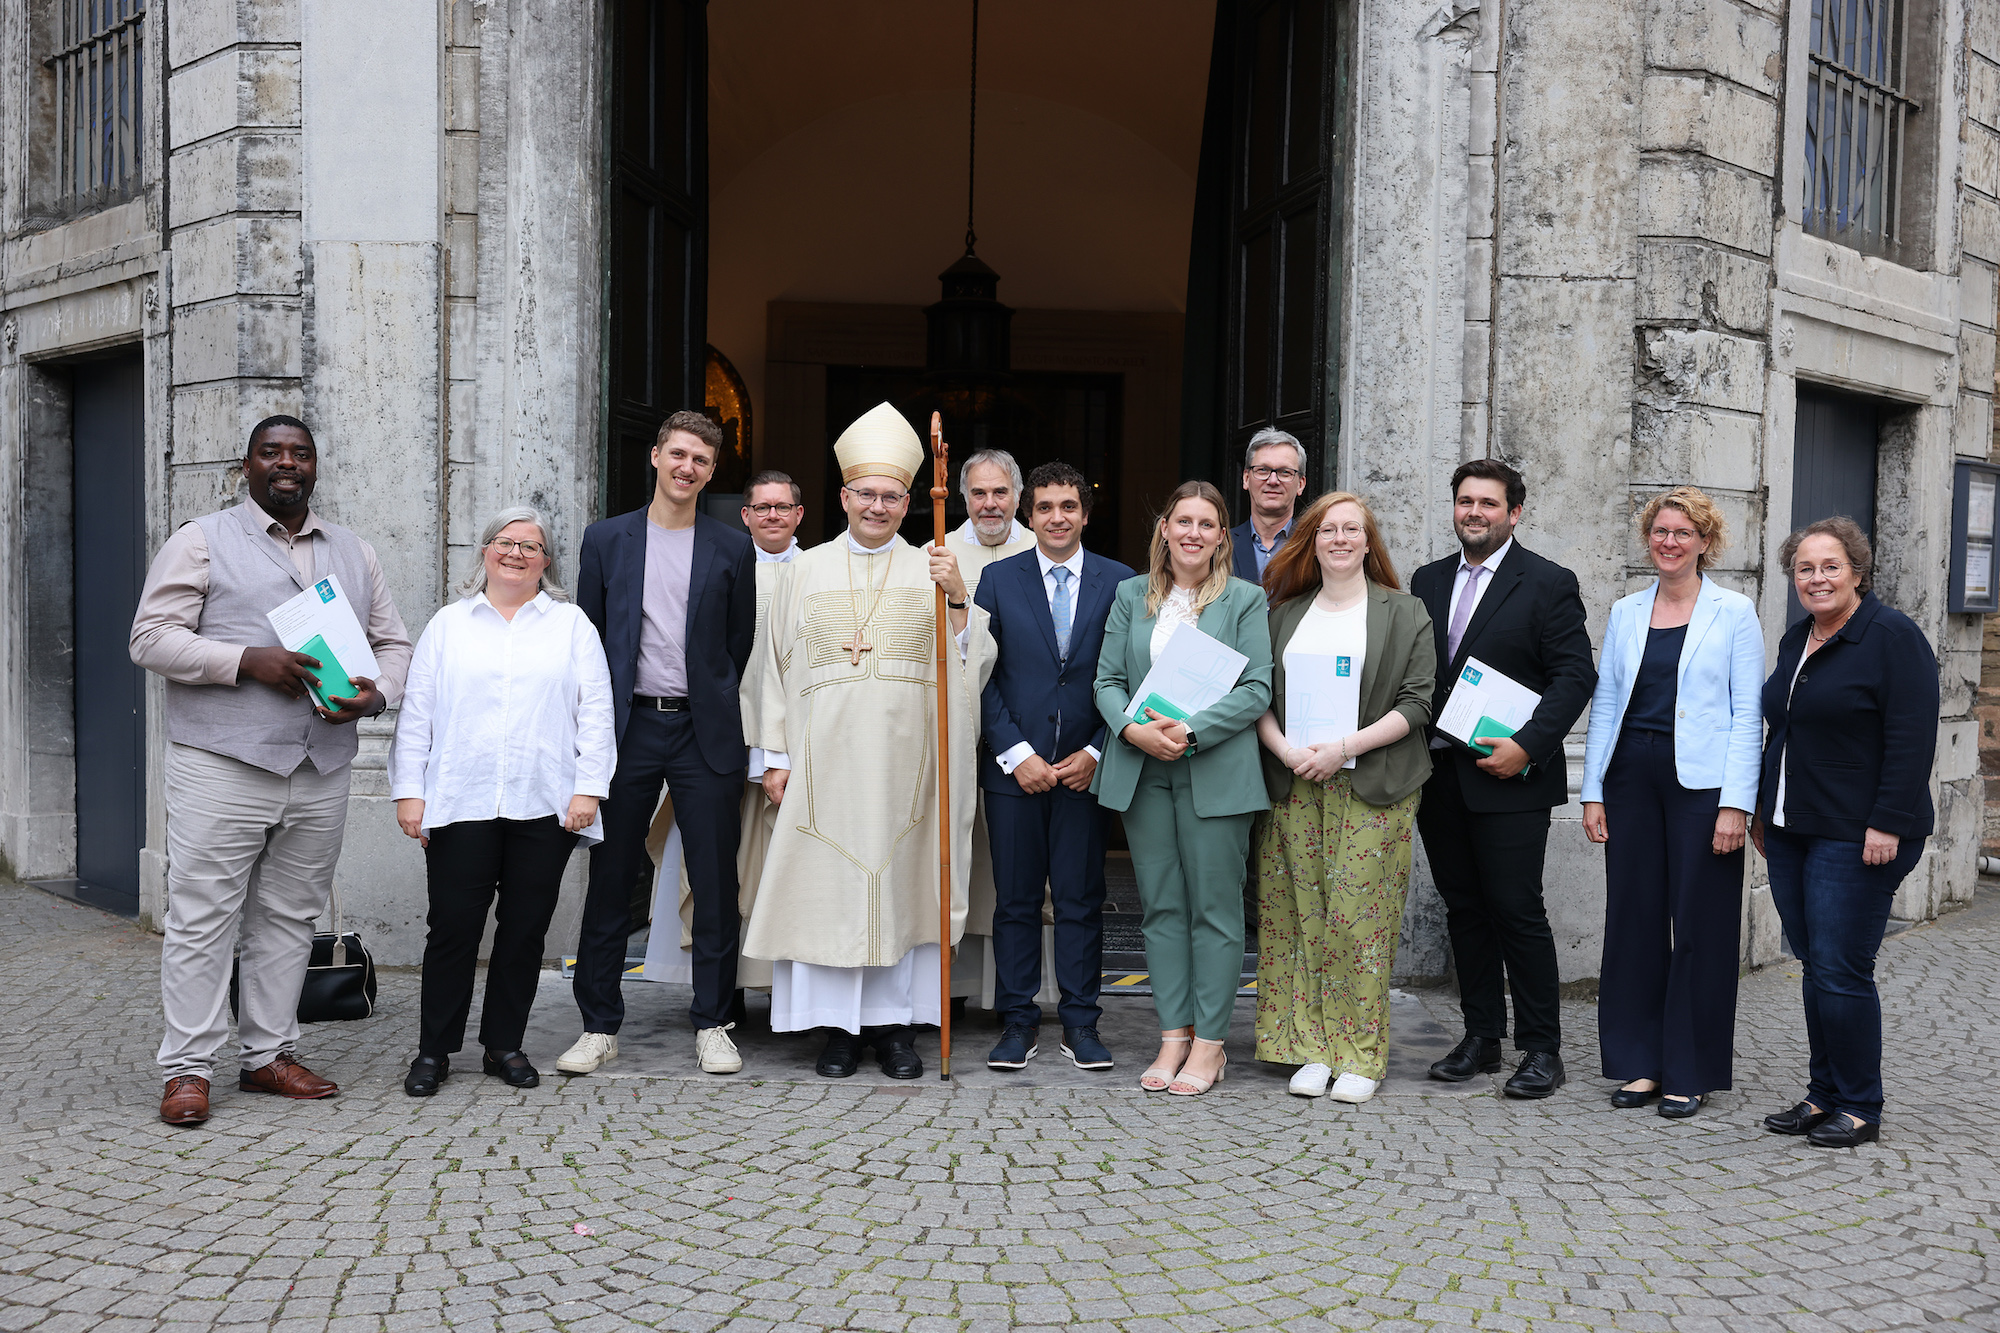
673	594
1040	740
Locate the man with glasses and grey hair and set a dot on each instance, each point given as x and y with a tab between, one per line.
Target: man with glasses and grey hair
990	481
1274	472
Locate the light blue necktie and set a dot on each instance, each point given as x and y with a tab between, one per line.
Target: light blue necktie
1061	610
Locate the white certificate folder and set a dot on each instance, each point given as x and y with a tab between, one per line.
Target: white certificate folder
324	611
1485	702
1192	672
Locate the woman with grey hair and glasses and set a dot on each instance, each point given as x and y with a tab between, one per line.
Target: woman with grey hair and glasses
503	751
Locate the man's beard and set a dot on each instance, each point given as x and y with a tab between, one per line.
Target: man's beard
995	529
1486	543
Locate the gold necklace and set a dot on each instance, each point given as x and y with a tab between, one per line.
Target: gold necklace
1812	629
857	642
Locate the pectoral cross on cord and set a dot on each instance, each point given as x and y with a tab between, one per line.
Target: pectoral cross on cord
857	645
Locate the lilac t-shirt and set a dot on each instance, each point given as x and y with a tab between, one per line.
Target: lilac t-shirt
663	623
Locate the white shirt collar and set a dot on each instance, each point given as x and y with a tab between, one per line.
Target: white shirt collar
858	549
1074	564
1491	563
970	535
783	557
541	601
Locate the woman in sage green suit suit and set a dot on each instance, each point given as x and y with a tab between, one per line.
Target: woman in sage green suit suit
1188	791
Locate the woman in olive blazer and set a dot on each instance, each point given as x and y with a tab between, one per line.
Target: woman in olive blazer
1188	790
1333	859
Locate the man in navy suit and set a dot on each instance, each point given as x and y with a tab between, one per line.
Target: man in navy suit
1274	473
673	594
1040	741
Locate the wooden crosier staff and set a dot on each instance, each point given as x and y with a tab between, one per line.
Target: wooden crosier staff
940	494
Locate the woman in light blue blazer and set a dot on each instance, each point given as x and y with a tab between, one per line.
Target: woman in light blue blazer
1669	780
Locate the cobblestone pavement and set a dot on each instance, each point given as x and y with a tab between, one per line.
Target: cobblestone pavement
603	1204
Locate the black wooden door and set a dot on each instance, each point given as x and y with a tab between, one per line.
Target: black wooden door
108	438
1834	442
656	252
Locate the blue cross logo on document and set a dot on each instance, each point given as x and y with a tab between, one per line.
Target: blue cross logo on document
1470	676
325	589
1343	666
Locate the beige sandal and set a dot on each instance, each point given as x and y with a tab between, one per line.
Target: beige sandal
1193	1085
1158	1077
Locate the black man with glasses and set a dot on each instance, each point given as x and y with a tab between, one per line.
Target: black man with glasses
673	593
1274	473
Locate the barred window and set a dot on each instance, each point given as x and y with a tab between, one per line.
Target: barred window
1859	105
99	67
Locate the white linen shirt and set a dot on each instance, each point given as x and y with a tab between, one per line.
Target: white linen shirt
1020	750
505	719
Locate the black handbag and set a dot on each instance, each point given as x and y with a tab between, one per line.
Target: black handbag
340	977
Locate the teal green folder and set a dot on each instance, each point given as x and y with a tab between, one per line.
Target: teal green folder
1161	705
329	678
1488	727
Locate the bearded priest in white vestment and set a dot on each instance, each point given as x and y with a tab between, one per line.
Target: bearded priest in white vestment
847	907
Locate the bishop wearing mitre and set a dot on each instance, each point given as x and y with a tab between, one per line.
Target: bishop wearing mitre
846	679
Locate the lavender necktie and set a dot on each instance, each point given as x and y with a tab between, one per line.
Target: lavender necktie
1463	611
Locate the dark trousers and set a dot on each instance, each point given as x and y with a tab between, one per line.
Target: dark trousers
1054	838
521	861
1666	1001
1488	869
660	748
1834	909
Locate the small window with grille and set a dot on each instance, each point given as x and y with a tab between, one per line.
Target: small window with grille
97	102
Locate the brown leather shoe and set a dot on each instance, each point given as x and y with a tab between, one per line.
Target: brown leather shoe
286	1077
185	1101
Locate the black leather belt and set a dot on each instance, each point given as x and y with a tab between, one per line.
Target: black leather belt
661	705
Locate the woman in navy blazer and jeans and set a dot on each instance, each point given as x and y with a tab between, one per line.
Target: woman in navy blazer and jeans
1843	811
1669	781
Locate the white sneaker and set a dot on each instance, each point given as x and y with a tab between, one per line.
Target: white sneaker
1310	1081
591	1050
1353	1088
715	1051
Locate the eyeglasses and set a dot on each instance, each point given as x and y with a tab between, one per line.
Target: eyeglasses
1832	569
877	499
508	546
1262	473
1682	535
763	511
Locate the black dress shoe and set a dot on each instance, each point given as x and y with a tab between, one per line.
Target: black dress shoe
511	1068
1474	1055
426	1072
1682	1110
1840	1132
1539	1075
1627	1099
842	1056
1801	1119
896	1052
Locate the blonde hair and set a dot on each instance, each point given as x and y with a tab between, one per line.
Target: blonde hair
1708	521
1160	576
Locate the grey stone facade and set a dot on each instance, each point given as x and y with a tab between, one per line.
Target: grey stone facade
1573	239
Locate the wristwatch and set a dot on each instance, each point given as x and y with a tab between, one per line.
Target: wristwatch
956	606
1190	739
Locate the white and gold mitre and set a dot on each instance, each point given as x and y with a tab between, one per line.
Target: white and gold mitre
879	444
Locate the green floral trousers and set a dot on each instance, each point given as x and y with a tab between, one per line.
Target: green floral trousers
1332	872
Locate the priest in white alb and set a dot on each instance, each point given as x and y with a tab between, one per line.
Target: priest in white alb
847	906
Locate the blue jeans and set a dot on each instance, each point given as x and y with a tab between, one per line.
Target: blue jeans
1834	909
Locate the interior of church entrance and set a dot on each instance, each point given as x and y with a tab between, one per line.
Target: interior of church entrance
789	181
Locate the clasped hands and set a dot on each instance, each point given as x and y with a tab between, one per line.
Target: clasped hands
1037	775
1162	737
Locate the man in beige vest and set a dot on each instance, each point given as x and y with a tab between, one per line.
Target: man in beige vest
257	773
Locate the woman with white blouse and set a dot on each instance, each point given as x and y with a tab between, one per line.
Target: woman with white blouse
502	753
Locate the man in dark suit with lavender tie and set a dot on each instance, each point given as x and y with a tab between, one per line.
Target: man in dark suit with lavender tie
1485	819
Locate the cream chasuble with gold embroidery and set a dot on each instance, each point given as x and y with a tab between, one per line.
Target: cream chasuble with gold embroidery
844	687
